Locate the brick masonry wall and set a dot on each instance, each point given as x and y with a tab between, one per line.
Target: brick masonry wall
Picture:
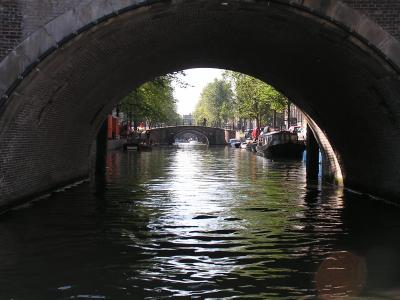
53	114
10	25
385	12
39	12
19	18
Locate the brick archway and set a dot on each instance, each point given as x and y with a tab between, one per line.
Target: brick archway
58	84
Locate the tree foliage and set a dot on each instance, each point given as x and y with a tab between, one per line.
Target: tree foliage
152	102
254	99
236	95
215	104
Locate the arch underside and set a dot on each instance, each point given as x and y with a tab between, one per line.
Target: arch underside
201	137
208	135
48	123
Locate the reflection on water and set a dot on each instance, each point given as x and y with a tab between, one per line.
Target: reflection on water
201	223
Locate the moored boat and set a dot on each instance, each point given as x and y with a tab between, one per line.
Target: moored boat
251	146
280	144
234	143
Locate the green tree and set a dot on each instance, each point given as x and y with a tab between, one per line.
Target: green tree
152	102
215	104
255	99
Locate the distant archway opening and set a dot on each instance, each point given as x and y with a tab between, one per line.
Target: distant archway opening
187	136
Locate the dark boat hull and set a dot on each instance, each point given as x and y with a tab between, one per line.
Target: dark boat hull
235	145
287	150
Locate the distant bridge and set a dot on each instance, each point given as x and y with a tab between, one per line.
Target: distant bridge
209	135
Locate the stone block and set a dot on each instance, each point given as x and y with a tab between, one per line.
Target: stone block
63	26
15	64
121	4
391	48
320	6
348	17
373	33
36	44
11	67
92	11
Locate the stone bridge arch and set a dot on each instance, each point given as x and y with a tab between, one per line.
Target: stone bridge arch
211	135
201	137
337	65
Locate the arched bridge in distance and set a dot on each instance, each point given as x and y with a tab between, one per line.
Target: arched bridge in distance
209	135
66	63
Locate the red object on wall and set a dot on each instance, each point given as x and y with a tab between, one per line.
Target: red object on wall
110	127
113	127
255	133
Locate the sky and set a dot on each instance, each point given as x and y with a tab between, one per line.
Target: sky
197	79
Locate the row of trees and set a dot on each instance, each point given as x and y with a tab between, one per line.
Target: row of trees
215	104
152	102
236	96
239	96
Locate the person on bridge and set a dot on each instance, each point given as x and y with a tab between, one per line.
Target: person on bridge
204	122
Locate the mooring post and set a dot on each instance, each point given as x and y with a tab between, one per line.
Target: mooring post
312	163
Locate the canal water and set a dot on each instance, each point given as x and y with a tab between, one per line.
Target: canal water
201	223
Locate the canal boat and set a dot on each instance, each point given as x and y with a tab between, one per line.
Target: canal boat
280	144
234	143
253	147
